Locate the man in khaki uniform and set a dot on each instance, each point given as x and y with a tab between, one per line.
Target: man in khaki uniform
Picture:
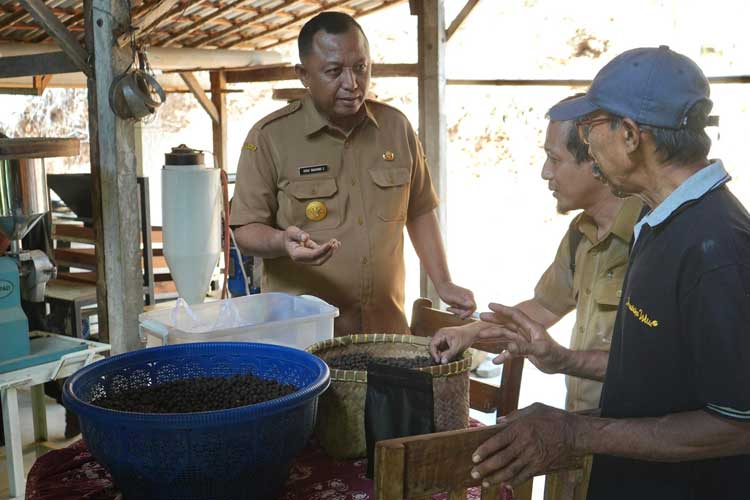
326	185
589	280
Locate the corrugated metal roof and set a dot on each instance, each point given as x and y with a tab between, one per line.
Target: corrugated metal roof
247	24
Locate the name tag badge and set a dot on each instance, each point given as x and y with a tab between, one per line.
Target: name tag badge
313	169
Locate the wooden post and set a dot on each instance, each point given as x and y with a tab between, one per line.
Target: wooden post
114	188
432	123
219	99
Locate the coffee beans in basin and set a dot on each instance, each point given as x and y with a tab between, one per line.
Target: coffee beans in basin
360	360
196	394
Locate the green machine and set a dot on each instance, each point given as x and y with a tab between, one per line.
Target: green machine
24	201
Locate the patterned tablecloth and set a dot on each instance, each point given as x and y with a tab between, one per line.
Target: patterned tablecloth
72	473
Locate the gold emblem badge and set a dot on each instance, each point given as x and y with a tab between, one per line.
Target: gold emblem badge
389	156
251	147
316	210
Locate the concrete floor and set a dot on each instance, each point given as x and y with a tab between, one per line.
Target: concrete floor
55	428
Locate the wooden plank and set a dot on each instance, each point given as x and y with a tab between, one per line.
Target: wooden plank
460	17
13	445
289	94
540	82
561	82
389	471
85	258
40	82
440	462
510	386
87	277
425	320
71	232
192	82
483	396
52	25
32	147
432	122
219	127
114	185
151	18
275	72
39	412
18	90
82	258
47	63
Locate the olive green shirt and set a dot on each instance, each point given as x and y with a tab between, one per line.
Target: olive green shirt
295	169
594	291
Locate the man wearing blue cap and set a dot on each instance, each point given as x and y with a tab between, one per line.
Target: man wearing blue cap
674	420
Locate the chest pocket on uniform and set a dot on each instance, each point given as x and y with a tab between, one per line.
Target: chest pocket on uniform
607	295
391	192
314	204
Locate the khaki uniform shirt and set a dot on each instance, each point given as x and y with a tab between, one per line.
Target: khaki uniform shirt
594	291
297	170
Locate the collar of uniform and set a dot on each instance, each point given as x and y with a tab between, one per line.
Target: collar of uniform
314	121
698	184
622	226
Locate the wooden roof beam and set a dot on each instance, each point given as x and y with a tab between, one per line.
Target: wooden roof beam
462	15
164	10
203	21
192	83
36	64
52	25
275	73
8	9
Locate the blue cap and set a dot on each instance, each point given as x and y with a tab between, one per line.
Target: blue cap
653	86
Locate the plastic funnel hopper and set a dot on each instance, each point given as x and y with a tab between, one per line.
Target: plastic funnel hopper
191	210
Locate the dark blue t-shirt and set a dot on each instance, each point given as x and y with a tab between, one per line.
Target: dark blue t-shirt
681	342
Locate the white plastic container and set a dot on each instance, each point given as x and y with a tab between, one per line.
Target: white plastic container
191	220
273	318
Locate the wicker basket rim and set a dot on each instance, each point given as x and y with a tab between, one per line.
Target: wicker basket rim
360	376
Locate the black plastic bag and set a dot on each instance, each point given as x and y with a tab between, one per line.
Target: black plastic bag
399	403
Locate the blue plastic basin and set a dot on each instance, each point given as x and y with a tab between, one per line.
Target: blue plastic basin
235	454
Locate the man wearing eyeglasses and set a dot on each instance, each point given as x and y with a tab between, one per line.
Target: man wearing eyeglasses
586	276
675	407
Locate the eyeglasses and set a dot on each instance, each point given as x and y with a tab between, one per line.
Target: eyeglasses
584	126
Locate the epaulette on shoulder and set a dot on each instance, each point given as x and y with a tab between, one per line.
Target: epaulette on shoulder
279	113
375	103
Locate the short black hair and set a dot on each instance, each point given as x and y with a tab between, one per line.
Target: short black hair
331	22
684	145
573	143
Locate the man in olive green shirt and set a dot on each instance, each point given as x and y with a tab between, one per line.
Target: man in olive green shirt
326	185
588	281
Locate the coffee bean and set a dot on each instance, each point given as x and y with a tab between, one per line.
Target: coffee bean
196	394
360	360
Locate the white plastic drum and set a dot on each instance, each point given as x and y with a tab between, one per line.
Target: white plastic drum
191	220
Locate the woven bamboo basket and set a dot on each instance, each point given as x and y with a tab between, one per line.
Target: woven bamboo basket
341	409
